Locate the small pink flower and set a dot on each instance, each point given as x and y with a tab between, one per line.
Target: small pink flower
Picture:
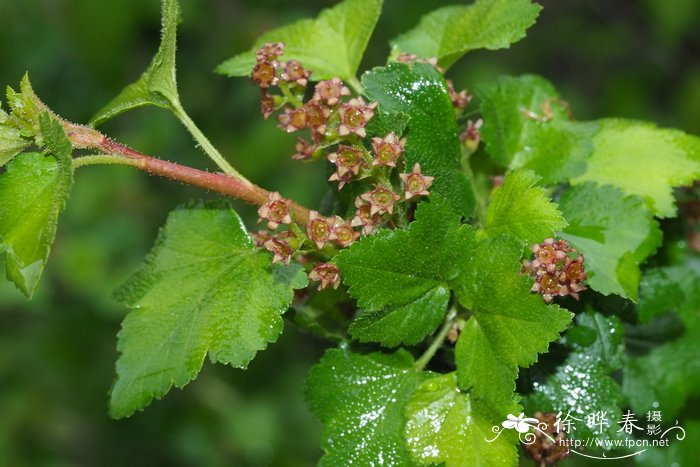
471	136
330	91
326	273
387	150
270	51
294	72
343	233
459	99
267	104
415	183
364	217
282	246
275	211
319	229
305	150
348	161
381	199
260	237
316	116
354	115
292	120
265	74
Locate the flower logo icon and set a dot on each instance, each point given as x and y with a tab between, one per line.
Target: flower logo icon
520	423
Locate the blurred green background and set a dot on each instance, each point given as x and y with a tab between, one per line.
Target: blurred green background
636	59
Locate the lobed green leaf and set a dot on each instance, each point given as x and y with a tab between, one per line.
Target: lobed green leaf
615	233
33	191
582	384
526	125
361	399
204	289
401	277
432	135
450	32
450	426
330	45
509	326
641	159
522	210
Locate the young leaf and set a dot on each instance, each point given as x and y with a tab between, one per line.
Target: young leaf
401	277
509	326
643	160
330	45
360	399
157	85
420	91
582	384
522	210
527	125
26	110
614	232
204	289
450	32
33	191
446	425
11	144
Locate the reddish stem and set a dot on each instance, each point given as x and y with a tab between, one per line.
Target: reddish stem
220	183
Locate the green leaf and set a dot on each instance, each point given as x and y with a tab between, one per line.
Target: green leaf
446	425
614	232
385	122
582	384
450	32
204	289
522	210
401	277
11	144
25	111
643	160
526	125
360	399
675	288
432	135
158	84
509	326
668	375
330	45
33	192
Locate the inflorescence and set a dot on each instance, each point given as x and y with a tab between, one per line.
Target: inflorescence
337	126
557	268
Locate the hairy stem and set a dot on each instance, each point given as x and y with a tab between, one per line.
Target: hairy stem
438	341
205	144
239	188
